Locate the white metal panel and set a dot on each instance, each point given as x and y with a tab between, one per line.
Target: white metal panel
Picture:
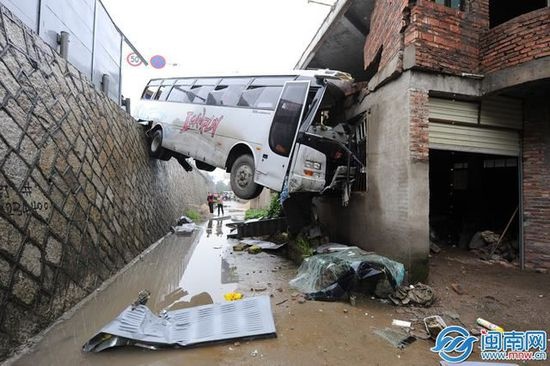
107	51
501	112
26	10
453	110
75	17
473	139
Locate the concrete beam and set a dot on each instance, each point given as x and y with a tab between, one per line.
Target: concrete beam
534	70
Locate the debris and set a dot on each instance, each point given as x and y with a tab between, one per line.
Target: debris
345	311
265	245
232	296
396	338
352	300
457	288
239	247
237	344
331	276
280	289
185	229
143	297
330	248
434	325
252	228
301	300
541	270
401	323
488	325
434	248
477	242
254	353
184	220
138	326
420	294
281	302
254	249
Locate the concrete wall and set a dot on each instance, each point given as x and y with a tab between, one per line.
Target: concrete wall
391	218
536	182
79	196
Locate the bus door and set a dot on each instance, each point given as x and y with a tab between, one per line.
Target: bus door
273	161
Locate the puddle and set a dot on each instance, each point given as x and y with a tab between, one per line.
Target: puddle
179	272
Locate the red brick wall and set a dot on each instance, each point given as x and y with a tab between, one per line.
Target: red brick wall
519	40
536	183
446	39
385	30
418	128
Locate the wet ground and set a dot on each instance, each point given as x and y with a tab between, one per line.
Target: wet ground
181	272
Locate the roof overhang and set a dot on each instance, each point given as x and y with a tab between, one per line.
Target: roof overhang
339	41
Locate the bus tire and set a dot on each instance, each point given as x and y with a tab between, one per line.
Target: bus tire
242	178
155	145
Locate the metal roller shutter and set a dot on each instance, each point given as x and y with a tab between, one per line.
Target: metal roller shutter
454	126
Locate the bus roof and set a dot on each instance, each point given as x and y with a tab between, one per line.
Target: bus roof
314	73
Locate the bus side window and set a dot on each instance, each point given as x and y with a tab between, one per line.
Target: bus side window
149	92
200	93
262	97
180	94
163	92
268	98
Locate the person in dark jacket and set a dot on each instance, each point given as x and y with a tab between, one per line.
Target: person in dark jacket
210	200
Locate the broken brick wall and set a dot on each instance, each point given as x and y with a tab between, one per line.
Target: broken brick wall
79	197
445	39
522	39
385	33
536	182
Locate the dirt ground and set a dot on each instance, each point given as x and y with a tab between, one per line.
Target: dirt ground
182	272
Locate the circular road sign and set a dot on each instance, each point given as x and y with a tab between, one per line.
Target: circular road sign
133	59
158	61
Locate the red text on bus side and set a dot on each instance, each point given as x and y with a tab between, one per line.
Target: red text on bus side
201	123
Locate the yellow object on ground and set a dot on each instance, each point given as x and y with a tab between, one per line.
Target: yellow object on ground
232	296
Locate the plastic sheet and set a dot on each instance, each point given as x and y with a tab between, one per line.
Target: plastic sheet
332	275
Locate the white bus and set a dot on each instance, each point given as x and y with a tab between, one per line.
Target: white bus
267	131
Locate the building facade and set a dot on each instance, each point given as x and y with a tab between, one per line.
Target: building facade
458	123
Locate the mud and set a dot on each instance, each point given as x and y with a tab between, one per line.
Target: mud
182	272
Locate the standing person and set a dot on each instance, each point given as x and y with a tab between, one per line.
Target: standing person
210	200
219	201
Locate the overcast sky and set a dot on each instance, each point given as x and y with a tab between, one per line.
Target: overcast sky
214	37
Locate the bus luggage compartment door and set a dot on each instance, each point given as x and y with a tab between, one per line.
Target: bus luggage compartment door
272	164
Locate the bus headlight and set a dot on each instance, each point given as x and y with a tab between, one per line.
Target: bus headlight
312	165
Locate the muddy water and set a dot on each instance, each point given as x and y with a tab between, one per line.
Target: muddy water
179	272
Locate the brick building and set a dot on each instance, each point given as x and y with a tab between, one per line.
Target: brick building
458	122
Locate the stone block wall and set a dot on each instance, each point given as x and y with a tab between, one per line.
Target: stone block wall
79	196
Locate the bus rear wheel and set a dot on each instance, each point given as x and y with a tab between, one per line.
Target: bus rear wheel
242	178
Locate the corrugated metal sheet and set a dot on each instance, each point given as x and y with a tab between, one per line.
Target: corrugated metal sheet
26	10
502	112
453	110
473	139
